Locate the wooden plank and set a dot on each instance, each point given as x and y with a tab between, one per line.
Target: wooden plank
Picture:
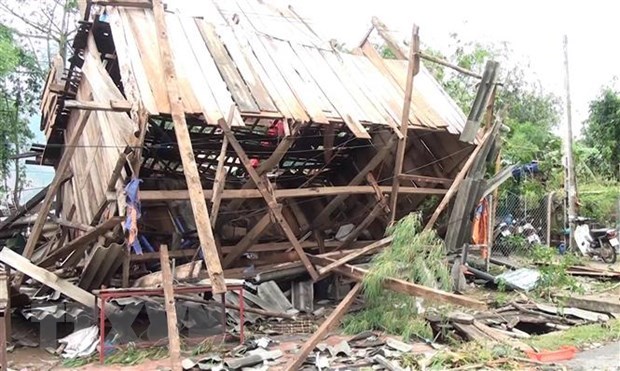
240	92
264	187
247	241
414	67
46	205
378	193
114	106
346	108
401	286
354	255
228	194
174	341
270	66
192	177
133	75
80	244
335	316
51	280
248	74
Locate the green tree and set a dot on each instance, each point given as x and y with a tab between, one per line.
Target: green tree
20	83
602	134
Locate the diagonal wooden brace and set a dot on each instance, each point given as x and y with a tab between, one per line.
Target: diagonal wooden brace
264	186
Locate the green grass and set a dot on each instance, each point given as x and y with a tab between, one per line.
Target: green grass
578	336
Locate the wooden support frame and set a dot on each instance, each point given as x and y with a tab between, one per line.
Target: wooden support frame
413	69
378	193
401	286
264	187
425	179
192	177
321	219
456	183
54	186
248	240
326	326
268	164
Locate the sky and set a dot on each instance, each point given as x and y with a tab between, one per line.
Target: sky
533	29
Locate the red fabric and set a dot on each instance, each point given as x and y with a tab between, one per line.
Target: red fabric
254	162
276	129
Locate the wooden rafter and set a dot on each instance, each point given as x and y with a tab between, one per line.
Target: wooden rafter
248	240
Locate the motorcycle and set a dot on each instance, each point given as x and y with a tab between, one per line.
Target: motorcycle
508	227
601	242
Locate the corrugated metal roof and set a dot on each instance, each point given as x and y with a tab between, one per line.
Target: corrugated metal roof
268	62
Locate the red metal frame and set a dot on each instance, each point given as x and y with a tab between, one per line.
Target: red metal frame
106	294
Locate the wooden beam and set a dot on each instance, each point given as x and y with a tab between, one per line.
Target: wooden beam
81	243
402	286
51	280
354	255
248	240
59	176
112	106
425	179
326	326
457	181
227	194
192	177
174	342
266	191
445	63
321	219
413	69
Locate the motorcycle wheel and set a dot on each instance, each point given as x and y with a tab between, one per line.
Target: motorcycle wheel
608	253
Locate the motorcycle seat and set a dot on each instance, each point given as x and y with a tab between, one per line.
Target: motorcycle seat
599	231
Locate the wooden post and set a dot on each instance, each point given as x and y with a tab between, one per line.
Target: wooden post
414	67
45	207
171	312
571	179
328	324
192	177
266	191
220	175
457	182
5	317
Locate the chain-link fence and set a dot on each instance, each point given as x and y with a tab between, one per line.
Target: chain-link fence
523	221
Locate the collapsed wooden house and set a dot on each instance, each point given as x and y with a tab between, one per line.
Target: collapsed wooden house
294	145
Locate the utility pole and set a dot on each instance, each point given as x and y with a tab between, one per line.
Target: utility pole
571	181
